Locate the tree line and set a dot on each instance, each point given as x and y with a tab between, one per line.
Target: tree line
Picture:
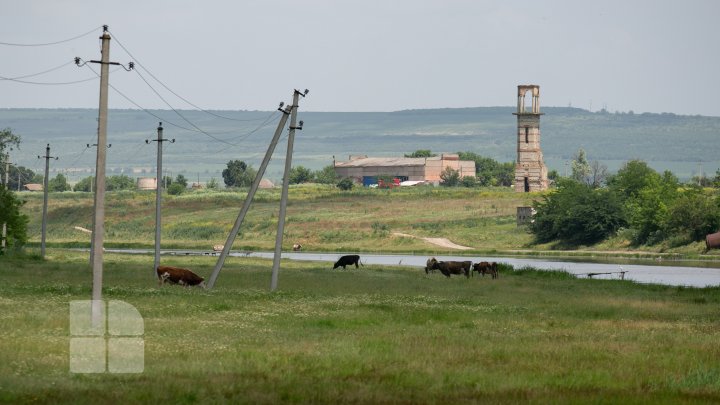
644	206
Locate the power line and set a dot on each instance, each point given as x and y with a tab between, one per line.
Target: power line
178	113
52	43
171	91
37	74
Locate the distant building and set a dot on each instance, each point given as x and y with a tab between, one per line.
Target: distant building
366	170
265	183
146	183
33	187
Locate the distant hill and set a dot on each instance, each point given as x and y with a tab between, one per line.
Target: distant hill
682	144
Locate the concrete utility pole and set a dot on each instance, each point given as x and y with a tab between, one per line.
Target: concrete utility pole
91	190
158	194
47	158
7	183
286	183
99	214
251	193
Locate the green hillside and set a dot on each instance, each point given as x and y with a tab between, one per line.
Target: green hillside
682	144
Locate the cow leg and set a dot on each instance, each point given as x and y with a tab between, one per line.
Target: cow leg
356	265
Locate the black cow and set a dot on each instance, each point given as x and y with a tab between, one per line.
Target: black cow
347	260
451	267
486	267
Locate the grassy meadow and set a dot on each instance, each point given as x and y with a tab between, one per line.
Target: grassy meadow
378	334
321	218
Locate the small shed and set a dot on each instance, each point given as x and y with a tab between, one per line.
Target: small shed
524	215
34	187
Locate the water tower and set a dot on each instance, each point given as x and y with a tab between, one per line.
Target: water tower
530	171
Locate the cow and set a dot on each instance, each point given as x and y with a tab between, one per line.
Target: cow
297	247
177	275
451	267
486	268
347	260
429	265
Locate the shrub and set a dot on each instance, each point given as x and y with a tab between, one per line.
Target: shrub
346	184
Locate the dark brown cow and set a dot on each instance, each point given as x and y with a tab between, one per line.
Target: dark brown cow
347	260
451	267
177	275
486	267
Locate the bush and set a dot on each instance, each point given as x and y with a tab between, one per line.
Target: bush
346	184
577	214
176	189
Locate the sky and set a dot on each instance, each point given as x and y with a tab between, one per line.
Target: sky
366	55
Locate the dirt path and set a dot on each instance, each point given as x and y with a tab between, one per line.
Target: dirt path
442	242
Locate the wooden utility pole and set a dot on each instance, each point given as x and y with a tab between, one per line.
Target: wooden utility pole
47	158
286	183
248	200
158	194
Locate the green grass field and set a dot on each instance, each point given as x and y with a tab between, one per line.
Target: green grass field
321	218
370	335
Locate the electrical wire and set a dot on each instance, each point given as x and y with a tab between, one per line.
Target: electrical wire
178	113
36	74
52	43
173	92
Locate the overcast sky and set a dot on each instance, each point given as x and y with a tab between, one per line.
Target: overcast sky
369	55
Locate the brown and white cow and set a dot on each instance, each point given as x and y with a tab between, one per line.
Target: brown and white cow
486	268
177	275
297	247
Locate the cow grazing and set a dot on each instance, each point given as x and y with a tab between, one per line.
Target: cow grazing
449	267
347	260
297	247
486	268
177	275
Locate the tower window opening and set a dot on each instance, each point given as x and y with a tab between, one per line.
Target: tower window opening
526	134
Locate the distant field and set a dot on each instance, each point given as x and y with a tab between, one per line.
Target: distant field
321	218
378	334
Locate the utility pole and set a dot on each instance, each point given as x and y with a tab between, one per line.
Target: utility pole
92	250
158	194
47	158
99	214
251	194
286	183
7	183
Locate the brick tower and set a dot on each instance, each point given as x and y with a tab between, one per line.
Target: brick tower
530	171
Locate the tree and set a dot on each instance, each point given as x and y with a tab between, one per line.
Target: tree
10	215
8	140
300	174
238	174
505	174
450	177
326	175
176	189
648	210
121	182
85	184
21	173
345	184
180	179
421	153
598	174
716	179
693	215
632	177
59	183
577	214
580	168
469	181
212	184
